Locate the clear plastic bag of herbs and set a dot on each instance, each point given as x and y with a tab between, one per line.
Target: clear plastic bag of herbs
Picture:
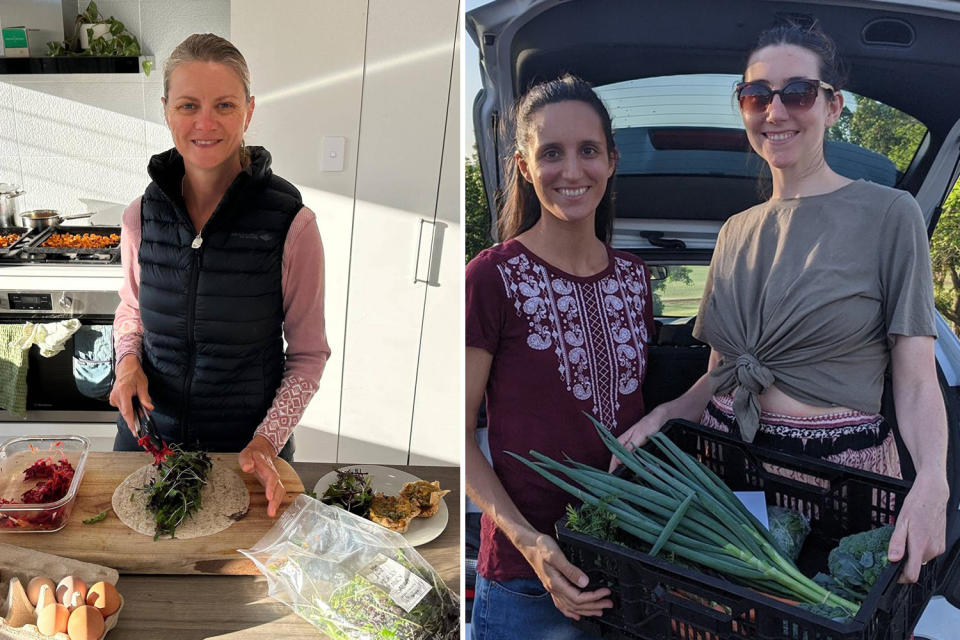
353	579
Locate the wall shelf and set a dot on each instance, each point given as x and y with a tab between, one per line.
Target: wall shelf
70	64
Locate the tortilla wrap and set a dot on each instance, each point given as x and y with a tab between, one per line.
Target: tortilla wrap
224	495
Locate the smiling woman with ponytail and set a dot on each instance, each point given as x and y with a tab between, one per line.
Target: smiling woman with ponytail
222	263
557	324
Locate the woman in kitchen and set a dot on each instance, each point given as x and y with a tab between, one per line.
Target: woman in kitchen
813	293
222	262
556	325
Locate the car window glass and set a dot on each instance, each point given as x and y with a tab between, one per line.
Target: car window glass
677	294
690	125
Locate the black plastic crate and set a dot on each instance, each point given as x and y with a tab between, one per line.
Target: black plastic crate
657	600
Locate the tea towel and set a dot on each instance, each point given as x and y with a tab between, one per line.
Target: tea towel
13	370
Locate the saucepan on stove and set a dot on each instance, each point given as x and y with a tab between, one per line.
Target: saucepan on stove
11	203
43	218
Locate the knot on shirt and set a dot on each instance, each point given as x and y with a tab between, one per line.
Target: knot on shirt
751	375
753	379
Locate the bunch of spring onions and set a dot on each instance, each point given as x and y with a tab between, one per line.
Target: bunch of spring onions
676	504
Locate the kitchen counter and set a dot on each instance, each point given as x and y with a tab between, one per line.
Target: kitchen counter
70	277
194	607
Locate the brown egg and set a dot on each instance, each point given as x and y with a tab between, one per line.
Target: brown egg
33	588
85	623
104	597
68	586
53	619
47	595
19	612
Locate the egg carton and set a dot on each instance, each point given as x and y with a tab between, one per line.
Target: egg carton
24	564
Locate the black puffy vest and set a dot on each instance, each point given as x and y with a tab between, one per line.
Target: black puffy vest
212	314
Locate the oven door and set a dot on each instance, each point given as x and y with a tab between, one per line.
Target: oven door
69	386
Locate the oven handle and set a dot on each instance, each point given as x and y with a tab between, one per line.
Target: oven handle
84	319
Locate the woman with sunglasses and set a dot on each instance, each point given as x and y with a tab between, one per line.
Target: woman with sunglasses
812	294
556	325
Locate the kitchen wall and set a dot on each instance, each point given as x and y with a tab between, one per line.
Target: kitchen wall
384	76
72	136
43	19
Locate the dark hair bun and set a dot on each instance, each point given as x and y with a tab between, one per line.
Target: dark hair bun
806	33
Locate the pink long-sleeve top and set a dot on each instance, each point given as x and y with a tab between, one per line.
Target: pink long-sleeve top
303	319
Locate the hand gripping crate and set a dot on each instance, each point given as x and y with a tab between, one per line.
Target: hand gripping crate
655	599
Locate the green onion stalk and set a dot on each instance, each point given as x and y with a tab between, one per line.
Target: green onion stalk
678	505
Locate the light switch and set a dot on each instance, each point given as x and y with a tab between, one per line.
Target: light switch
331	153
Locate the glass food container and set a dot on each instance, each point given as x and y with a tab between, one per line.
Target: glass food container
16	456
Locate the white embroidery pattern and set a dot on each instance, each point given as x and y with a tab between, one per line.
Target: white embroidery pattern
288	406
596	329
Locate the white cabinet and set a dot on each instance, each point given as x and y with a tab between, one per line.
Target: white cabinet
437	425
306	66
384	75
409	71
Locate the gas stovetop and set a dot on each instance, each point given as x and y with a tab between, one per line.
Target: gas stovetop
33	246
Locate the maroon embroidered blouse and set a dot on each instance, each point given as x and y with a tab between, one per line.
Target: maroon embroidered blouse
561	345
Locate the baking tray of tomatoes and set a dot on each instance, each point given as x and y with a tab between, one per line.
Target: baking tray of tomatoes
12	239
80	240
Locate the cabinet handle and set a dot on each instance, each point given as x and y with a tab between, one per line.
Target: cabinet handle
416	265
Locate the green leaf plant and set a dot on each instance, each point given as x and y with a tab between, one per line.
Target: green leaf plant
117	42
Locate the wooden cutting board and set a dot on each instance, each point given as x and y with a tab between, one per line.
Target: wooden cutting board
113	544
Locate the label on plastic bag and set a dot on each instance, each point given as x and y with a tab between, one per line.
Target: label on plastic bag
403	586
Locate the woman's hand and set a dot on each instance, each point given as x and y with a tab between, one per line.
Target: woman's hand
561	578
130	381
921	526
636	435
689	406
257	458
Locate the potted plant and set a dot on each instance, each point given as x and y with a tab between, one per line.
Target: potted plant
92	26
96	35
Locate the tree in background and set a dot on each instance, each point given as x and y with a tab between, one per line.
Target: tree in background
883	129
477	212
945	253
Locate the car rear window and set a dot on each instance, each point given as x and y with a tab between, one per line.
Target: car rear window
690	125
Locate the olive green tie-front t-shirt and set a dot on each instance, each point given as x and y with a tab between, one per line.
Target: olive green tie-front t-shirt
805	293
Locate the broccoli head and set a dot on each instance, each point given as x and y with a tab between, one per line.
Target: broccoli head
859	559
827	582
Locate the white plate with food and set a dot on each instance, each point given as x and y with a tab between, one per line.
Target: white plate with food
389	482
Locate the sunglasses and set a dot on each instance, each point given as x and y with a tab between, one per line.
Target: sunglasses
797	95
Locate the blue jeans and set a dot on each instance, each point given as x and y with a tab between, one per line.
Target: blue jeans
518	609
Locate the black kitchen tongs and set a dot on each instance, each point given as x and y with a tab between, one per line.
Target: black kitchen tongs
145	426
